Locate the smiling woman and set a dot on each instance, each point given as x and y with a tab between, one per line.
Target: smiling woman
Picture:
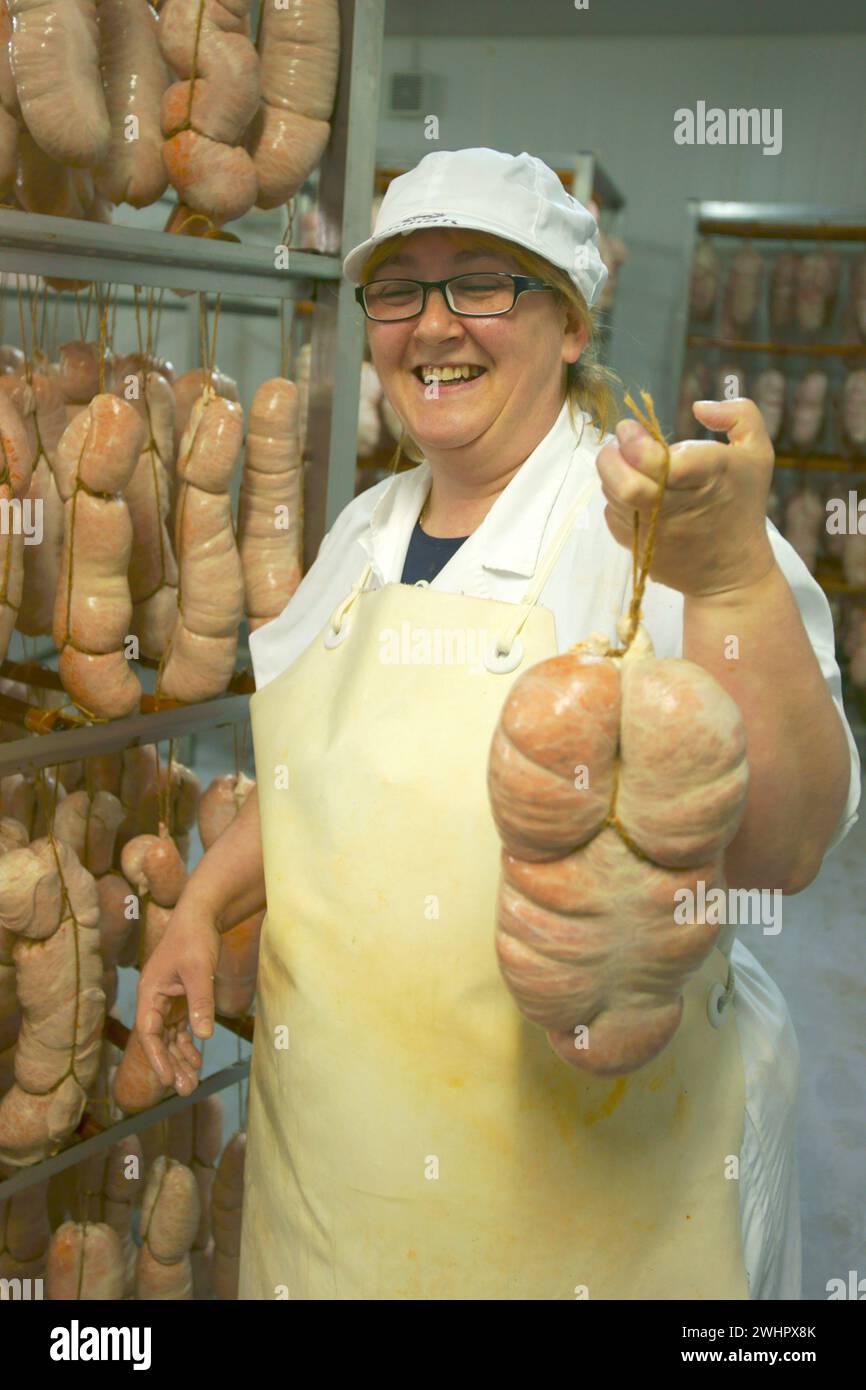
586	384
420	1137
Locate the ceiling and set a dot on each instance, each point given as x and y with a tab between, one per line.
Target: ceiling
492	19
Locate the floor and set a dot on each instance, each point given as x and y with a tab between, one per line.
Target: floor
819	962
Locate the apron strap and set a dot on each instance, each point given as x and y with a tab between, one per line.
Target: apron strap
334	632
545	569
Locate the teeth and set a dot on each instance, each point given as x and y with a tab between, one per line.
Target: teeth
465	370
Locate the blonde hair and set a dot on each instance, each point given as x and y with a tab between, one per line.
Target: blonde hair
589	386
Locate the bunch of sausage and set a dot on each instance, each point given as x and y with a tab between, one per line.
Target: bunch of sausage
95	893
107	103
802	294
138	539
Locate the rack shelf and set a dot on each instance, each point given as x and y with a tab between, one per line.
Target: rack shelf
791	349
32	244
93	1138
828	463
70	745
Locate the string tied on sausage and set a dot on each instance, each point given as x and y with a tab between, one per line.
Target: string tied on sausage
640	569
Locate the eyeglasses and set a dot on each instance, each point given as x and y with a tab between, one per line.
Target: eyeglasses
474	296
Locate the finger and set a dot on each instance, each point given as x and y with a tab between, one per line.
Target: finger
188	1049
740	420
622	483
185	1079
198	984
157	1055
640	449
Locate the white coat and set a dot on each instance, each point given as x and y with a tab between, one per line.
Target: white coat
497	561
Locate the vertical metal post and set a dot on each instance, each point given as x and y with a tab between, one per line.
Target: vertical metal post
681	313
337	341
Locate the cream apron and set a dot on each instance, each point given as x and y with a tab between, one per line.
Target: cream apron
410	1135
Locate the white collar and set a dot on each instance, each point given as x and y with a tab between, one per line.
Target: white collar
509	538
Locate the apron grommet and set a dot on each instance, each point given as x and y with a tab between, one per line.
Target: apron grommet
334	636
500	663
718	999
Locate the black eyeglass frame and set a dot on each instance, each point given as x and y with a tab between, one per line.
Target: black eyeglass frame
520	283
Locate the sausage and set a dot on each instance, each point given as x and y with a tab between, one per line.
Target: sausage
85	1261
12	359
704	284
810	401
43	184
9	129
20	801
78	374
369	419
55	62
237	964
783	291
140	789
152	565
134	78
204	119
226	1203
49	902
195	1139
219	805
817	282
854	559
201	654
24	1233
745	283
12	836
188	389
586	934
96	456
170	1216
854	410
858	295
153	866
693	387
271	503
17	434
42	562
139	364
804	522
11	571
299	45
8	94
770	399
89	826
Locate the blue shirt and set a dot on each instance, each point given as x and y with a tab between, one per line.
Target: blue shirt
427	555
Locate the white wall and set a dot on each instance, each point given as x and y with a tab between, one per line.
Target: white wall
618	97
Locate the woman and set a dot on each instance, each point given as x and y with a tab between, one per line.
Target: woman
410	1134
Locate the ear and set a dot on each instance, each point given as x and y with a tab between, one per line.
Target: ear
574	337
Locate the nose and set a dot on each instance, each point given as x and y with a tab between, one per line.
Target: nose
436	321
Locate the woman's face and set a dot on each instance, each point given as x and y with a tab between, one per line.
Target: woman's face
513	403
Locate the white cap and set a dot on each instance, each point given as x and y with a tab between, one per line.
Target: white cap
516	197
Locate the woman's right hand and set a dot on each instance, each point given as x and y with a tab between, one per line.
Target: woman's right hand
183	964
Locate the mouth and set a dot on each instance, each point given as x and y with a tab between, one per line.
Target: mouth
428	377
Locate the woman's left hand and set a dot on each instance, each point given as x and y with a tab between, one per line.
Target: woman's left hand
711	535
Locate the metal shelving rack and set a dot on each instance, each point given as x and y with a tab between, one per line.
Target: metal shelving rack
762	221
782	223
37	245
